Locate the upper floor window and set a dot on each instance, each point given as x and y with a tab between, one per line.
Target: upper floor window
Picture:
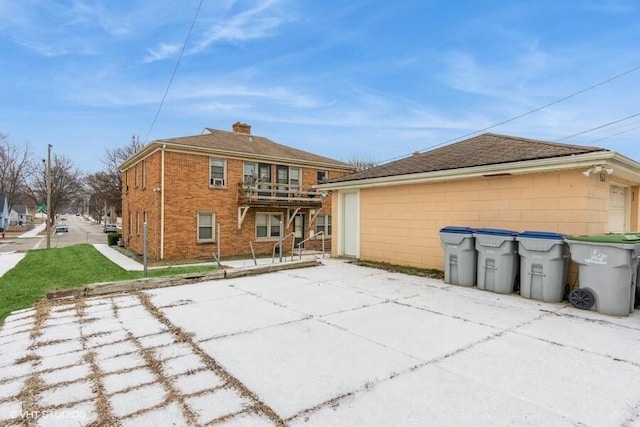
323	177
294	177
144	174
217	175
135	175
250	173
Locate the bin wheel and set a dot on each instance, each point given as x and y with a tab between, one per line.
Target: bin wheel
582	299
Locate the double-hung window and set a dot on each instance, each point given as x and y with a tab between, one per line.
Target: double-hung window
206	224
268	225
323	224
217	174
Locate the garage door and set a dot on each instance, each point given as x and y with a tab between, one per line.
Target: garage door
617	209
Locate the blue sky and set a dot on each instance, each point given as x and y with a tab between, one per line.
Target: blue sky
367	79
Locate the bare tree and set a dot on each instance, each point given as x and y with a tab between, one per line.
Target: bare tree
66	184
14	168
107	184
362	163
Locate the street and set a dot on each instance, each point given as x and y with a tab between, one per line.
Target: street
80	231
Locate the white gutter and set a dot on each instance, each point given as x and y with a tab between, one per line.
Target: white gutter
514	168
162	205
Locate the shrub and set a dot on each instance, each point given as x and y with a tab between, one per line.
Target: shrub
113	238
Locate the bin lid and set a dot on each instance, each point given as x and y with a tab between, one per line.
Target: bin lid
456	229
542	235
496	232
620	238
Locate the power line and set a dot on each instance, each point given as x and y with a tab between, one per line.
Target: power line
535	110
615	134
175	69
598	127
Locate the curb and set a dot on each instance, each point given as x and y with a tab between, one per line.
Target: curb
105	288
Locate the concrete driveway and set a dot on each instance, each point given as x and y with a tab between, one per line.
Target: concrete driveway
331	345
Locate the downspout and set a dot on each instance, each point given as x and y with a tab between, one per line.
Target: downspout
164	146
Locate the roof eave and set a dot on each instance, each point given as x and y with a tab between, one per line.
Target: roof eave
155	145
513	168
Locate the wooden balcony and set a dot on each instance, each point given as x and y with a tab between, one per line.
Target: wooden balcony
267	194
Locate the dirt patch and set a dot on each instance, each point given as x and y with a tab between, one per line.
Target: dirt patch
414	271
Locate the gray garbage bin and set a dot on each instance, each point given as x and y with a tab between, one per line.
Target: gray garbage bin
460	256
498	259
607	271
544	258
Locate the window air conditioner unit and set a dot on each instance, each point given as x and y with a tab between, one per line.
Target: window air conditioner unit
217	182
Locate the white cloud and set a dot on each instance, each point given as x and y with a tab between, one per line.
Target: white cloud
258	22
163	51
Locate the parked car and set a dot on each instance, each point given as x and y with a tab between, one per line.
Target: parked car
110	228
62	228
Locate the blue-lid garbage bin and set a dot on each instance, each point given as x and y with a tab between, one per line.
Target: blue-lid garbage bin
460	256
498	259
544	260
607	272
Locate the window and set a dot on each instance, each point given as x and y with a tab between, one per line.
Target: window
216	179
145	218
137	223
206	222
294	177
129	223
268	225
135	175
250	174
126	180
144	174
323	176
323	224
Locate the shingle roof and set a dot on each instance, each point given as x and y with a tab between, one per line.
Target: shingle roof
21	209
482	150
245	144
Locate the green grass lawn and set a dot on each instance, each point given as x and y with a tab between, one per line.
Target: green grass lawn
44	270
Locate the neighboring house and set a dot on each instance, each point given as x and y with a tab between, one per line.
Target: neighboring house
393	212
20	215
4	212
184	187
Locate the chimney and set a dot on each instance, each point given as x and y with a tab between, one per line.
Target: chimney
242	128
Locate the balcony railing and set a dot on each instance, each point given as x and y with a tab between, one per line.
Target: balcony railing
273	194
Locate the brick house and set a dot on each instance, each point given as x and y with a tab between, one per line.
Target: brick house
245	185
393	212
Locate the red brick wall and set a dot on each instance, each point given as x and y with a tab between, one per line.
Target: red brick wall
187	192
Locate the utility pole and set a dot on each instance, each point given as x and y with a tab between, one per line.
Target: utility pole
49	196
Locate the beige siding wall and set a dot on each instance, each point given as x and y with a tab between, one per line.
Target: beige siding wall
400	224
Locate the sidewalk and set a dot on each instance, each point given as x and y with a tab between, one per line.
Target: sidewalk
8	260
117	258
34	232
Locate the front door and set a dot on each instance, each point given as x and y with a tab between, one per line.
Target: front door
350	221
618	209
298	229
